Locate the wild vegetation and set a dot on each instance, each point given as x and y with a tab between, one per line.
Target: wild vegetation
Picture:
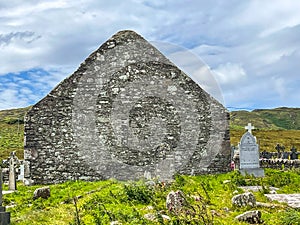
12	132
267	139
208	201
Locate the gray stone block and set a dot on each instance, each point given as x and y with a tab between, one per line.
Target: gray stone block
257	172
4	218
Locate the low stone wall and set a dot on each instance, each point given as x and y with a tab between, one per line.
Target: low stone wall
279	163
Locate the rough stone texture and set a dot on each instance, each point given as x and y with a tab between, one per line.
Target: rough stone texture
127	110
293	200
279	163
245	199
43	192
4	218
257	188
175	201
252	217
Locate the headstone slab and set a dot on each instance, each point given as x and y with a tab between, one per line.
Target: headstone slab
4	216
125	111
249	156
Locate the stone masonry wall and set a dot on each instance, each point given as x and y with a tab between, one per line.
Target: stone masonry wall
127	111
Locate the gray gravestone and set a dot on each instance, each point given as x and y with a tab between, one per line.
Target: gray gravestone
294	154
249	154
4	216
21	175
13	164
285	155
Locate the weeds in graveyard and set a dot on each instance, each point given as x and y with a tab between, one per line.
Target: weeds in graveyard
77	220
290	217
139	192
207	197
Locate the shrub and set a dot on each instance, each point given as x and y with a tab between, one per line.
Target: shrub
138	192
290	217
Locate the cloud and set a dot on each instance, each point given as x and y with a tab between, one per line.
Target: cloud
26	88
248	43
26	36
230	73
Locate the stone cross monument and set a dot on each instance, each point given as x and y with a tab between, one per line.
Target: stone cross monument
13	164
249	154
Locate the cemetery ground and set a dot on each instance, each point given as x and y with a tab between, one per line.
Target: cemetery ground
208	201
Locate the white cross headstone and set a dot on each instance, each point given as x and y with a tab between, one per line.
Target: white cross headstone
249	128
249	154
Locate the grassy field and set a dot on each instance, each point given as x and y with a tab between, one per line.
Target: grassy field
208	201
267	139
12	132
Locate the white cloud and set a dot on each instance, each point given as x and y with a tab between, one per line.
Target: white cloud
271	17
230	73
246	42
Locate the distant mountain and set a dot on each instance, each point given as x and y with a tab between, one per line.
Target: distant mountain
268	119
268	123
13	116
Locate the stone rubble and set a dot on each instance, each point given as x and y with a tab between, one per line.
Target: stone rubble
252	217
245	199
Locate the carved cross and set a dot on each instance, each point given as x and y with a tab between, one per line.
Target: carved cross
249	128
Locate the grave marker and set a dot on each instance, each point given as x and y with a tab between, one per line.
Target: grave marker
13	164
4	216
249	128
249	154
294	153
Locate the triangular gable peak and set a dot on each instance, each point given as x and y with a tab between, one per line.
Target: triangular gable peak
127	111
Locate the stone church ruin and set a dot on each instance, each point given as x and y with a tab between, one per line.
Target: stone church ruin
125	113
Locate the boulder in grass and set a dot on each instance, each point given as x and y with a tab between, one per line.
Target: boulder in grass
252	217
245	199
43	192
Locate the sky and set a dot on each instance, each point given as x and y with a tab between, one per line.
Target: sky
251	48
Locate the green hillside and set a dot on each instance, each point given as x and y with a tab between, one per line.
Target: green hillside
12	131
266	119
280	125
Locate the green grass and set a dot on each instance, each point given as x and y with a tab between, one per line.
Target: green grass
12	132
267	139
127	202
